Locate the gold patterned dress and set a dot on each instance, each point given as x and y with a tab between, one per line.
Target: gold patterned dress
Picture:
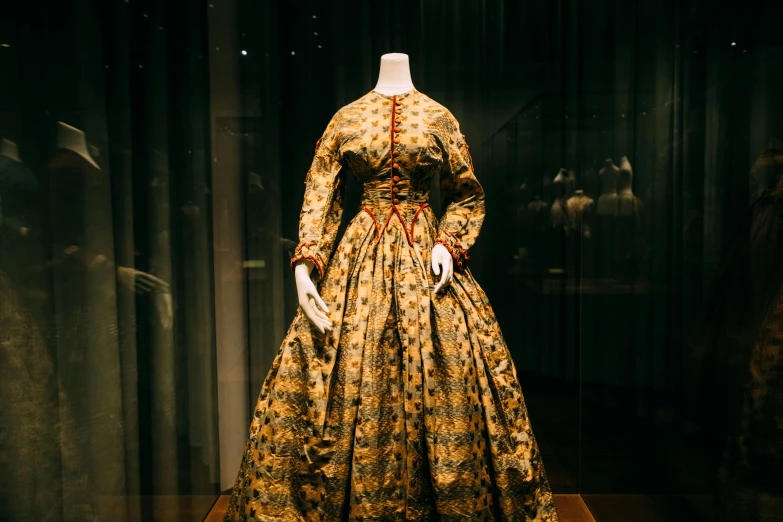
410	409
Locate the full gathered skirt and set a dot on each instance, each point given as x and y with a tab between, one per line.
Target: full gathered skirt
410	409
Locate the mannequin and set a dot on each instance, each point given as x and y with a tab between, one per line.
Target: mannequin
627	240
579	208
73	139
18	187
557	214
626	201
376	418
607	203
394	78
571	184
537	210
10	150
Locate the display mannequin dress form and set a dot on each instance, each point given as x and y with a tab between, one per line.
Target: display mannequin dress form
558	217
607	202
571	183
627	221
408	407
627	203
558	221
20	250
579	208
394	78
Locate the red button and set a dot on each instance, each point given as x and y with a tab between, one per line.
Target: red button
396	189
395	201
396	165
396	140
396	178
397	129
396	153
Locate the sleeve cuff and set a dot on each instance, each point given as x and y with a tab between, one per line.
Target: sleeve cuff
308	250
453	245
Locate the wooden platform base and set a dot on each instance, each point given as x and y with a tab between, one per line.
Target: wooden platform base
570	508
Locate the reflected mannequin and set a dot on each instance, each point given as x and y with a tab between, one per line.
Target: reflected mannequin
394	78
73	139
558	216
607	202
580	208
627	203
20	230
18	189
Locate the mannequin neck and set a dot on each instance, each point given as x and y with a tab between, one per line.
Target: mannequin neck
395	74
10	150
71	138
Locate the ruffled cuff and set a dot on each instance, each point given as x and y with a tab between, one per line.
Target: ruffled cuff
308	250
453	245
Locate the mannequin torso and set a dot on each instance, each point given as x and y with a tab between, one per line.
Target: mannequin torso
394	78
607	203
579	206
626	200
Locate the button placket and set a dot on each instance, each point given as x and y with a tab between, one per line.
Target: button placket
396	121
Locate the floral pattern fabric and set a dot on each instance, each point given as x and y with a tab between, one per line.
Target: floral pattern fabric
410	409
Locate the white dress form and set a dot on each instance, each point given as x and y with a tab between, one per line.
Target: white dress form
579	207
626	200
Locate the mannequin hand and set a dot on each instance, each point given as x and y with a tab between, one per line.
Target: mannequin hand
443	265
311	303
141	282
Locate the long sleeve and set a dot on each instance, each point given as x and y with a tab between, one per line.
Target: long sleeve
322	209
462	197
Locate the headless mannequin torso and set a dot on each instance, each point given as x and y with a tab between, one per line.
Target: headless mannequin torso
394	78
626	200
607	203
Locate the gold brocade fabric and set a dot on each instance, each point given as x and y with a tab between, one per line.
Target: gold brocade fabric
410	409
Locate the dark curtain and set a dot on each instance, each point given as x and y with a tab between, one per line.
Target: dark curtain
110	327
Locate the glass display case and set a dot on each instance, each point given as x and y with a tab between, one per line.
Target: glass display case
161	175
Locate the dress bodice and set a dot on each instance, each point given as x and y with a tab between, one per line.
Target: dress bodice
393	145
